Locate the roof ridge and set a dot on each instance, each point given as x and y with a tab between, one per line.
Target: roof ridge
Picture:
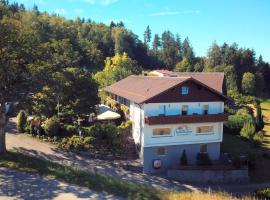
160	77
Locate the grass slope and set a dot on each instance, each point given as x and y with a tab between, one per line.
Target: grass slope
19	161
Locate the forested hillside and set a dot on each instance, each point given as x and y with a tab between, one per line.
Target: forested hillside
44	44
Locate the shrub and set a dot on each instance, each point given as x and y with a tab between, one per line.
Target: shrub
104	131
259	117
124	128
183	159
237	121
263	193
124	109
76	143
126	125
203	159
22	120
52	126
71	129
248	131
257	139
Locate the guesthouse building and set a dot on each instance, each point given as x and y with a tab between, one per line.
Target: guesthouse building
172	114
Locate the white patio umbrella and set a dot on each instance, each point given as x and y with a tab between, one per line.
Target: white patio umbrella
108	115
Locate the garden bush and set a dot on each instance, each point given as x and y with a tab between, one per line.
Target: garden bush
237	121
104	131
30	128
203	159
258	139
52	127
22	120
71	129
125	128
76	143
248	131
263	193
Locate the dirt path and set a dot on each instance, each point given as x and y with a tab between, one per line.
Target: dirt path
34	147
20	185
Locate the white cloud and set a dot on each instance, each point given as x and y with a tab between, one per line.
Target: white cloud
60	11
41	2
107	2
166	13
78	11
90	1
101	2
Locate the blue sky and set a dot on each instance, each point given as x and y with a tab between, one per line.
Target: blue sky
203	21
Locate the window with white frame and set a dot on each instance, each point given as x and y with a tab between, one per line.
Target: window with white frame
184	90
205	109
184	109
205	129
162	110
159	132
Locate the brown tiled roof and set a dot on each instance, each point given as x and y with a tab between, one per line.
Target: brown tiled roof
211	79
142	88
164	71
176	119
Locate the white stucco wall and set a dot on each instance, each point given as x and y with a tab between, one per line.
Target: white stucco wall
135	116
152	109
190	137
155	109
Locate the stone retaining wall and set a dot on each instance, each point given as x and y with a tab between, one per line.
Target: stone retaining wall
209	176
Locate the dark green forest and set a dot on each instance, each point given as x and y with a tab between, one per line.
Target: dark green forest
37	45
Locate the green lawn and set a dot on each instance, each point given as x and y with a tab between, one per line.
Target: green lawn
235	146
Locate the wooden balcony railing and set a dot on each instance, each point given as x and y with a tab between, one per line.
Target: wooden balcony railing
176	119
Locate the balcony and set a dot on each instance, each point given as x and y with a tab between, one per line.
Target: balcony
182	119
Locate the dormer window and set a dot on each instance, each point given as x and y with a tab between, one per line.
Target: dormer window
184	90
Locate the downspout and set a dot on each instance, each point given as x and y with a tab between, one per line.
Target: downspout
140	126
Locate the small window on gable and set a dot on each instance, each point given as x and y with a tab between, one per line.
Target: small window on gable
184	90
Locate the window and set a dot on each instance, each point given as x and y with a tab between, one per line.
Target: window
162	110
161	132
205	109
184	109
184	90
203	148
205	129
161	151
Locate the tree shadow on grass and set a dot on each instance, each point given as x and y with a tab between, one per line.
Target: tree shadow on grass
30	186
114	169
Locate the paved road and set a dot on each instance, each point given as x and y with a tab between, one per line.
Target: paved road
19	185
34	147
